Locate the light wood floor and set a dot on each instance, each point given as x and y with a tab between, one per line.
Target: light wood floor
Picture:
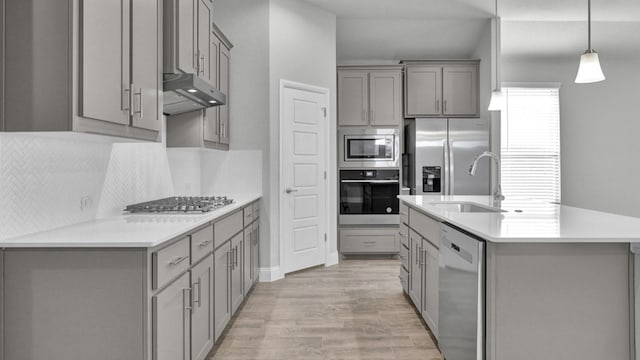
355	310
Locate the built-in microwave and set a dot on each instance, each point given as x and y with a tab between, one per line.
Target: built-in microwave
368	148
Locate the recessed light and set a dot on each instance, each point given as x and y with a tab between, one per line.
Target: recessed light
192	90
213	102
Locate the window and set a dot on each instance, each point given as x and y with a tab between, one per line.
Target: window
530	143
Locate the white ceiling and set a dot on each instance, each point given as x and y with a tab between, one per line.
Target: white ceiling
390	29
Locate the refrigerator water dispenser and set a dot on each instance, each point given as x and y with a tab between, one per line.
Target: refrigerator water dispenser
431	179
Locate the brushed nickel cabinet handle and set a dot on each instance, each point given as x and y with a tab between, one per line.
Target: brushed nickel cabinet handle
178	260
196	299
189	302
204	243
140	110
126	99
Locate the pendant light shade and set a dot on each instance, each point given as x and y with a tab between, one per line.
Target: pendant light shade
497	101
589	70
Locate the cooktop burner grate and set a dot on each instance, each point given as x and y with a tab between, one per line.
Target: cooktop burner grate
181	204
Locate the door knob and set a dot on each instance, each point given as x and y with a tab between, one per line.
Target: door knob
290	190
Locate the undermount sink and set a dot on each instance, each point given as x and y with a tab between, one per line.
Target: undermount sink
465	207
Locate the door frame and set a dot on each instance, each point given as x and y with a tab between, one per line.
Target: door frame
325	92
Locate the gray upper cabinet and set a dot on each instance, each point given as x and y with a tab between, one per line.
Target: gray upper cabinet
423	96
208	128
172	321
442	89
353	98
180	48
101	77
370	96
145	65
385	96
224	73
460	90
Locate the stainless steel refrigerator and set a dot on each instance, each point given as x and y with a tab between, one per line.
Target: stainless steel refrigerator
438	153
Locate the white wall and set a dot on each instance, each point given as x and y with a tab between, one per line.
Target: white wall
302	49
600	130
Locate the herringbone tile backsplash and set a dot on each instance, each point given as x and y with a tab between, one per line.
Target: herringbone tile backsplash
43	178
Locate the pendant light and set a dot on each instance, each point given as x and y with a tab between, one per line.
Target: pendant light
497	98
589	70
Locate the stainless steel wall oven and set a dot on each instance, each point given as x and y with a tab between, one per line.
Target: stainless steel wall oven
369	197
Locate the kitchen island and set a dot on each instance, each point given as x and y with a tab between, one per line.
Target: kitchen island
556	280
130	287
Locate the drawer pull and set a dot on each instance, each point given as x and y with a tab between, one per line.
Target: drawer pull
204	243
189	305
369	242
178	260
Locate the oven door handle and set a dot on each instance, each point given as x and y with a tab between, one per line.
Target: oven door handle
371	181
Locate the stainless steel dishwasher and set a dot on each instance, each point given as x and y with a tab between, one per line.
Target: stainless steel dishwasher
461	277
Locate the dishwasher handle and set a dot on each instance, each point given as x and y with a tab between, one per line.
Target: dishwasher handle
457	250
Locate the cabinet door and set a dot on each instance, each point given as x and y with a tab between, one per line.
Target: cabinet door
186	26
204	39
415	268
424	91
353	98
460	87
222	264
171	321
223	79
202	312
145	64
237	289
105	61
211	115
246	259
255	252
430	285
385	94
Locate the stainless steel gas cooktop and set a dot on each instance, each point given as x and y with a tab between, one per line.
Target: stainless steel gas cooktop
181	204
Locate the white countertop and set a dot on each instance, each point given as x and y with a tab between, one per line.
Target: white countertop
539	222
127	230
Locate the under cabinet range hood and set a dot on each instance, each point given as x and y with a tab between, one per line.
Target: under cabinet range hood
187	92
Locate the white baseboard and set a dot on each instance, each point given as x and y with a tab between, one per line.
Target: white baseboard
332	259
271	274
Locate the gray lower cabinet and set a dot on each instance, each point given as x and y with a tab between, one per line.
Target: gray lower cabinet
172	321
415	268
170	302
202	308
255	251
247	265
222	285
430	285
424	265
369	240
93	66
237	289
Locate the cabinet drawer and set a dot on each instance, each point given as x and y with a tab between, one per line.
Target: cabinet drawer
170	262
248	215
224	229
256	210
364	241
425	226
201	243
404	235
404	257
404	279
404	213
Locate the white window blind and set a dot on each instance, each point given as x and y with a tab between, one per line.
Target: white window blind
530	143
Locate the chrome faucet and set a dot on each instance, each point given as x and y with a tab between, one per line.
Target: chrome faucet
497	194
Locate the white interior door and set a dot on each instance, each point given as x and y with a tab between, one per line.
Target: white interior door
303	184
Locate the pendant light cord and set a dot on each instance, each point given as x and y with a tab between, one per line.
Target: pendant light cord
497	49
589	23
